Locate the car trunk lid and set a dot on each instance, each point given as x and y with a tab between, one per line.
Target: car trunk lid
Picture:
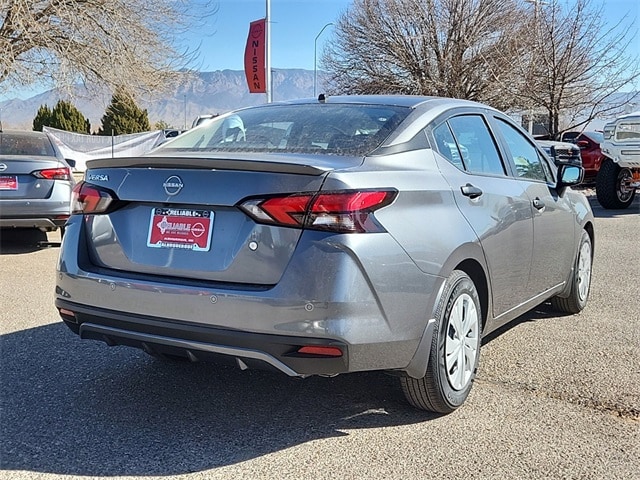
179	217
17	180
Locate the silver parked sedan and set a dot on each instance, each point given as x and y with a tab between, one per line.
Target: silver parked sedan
35	182
320	237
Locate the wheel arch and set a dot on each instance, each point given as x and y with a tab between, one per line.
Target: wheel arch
589	228
479	277
474	268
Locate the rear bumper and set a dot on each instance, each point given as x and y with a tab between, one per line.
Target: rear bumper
203	343
376	309
45	214
42	223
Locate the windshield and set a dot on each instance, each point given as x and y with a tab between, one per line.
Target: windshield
338	129
628	131
25	144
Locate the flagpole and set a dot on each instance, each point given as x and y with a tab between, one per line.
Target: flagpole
268	51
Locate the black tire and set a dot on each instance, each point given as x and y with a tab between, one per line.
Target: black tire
580	280
610	186
439	390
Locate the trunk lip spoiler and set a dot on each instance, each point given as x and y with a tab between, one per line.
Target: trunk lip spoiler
298	164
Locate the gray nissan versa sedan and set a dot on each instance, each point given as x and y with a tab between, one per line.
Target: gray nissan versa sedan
35	182
327	236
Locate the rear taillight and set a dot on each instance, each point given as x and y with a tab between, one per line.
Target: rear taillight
62	173
343	211
89	198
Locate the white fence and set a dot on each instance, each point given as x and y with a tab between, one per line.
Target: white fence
81	147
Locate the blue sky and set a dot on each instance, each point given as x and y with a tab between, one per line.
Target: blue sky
295	25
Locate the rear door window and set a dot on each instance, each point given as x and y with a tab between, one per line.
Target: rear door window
466	142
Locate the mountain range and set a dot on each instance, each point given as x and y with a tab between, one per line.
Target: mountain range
208	93
203	93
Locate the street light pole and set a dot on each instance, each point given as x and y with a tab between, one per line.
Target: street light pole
315	59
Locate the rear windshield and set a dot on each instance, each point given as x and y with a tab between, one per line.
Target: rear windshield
336	129
25	144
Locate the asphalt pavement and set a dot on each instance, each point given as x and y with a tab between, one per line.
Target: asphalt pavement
556	397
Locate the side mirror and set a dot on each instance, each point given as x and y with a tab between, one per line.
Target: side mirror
72	163
569	175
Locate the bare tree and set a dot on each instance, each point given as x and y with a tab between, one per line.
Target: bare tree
126	44
432	47
574	65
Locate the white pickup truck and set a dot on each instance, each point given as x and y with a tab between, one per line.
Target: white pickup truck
619	175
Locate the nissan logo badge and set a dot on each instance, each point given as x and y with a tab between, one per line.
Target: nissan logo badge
173	185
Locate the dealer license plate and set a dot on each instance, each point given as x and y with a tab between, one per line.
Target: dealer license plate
180	228
8	182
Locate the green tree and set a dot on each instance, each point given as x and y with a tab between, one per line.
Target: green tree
124	116
42	118
64	116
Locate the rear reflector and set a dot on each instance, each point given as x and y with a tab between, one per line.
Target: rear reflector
320	350
349	211
68	313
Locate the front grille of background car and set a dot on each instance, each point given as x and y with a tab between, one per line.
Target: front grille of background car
567	155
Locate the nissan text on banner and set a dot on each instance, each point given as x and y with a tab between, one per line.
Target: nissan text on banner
254	58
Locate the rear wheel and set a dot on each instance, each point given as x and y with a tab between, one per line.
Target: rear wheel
613	186
455	350
580	281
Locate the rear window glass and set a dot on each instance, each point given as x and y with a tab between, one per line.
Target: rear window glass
312	128
25	144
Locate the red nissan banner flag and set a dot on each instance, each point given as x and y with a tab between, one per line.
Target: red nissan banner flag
254	57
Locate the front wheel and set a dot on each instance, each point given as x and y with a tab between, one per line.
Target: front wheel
580	280
455	350
613	188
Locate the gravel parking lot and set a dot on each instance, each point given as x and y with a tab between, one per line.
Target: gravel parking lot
556	397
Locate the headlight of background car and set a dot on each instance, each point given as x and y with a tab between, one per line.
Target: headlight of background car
608	132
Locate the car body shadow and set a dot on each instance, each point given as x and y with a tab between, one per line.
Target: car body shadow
600	212
74	407
23	240
541	312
